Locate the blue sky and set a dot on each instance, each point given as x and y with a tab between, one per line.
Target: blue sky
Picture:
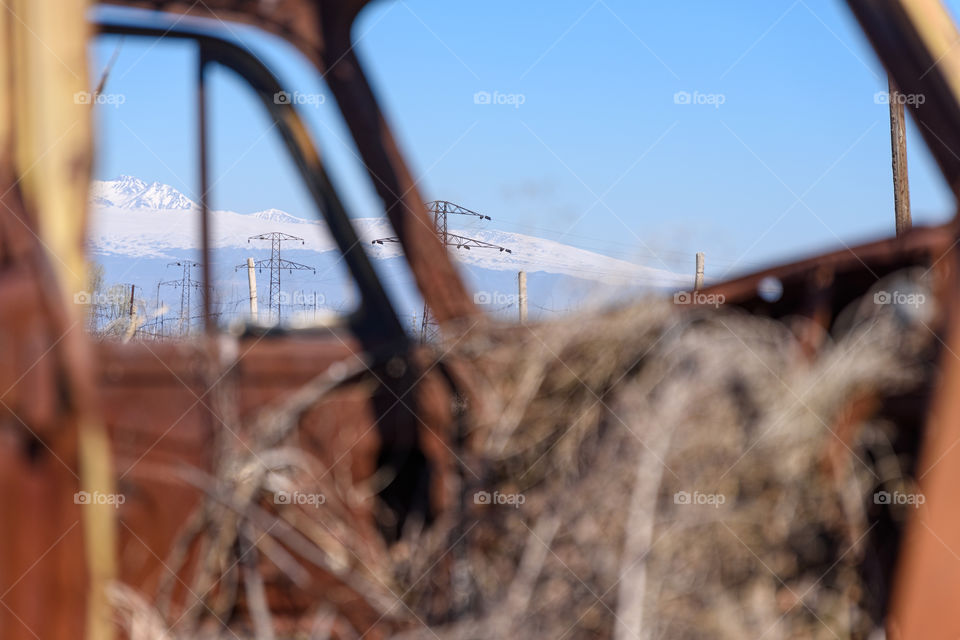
599	154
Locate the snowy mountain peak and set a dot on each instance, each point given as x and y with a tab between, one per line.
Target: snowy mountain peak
276	215
129	185
127	192
161	196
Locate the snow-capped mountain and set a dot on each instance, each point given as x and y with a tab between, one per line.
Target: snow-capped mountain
135	219
127	192
276	215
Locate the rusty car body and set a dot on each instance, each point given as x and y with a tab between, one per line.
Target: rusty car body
82	416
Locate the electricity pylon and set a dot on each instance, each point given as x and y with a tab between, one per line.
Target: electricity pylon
186	284
276	264
440	210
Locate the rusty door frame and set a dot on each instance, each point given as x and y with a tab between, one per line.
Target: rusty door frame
916	42
374	321
916	45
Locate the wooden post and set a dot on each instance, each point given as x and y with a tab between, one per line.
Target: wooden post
698	280
898	148
252	278
522	295
132	327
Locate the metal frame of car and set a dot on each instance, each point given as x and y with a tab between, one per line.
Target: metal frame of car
916	41
374	322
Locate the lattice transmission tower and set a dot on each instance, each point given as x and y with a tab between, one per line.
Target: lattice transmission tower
440	210
276	265
187	286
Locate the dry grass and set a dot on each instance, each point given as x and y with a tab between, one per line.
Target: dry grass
603	420
604	424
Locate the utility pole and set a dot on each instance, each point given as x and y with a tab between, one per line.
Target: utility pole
133	309
440	210
186	284
252	279
698	280
276	264
898	148
522	295
156	311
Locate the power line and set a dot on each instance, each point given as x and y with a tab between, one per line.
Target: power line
630	251
440	210
543	308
